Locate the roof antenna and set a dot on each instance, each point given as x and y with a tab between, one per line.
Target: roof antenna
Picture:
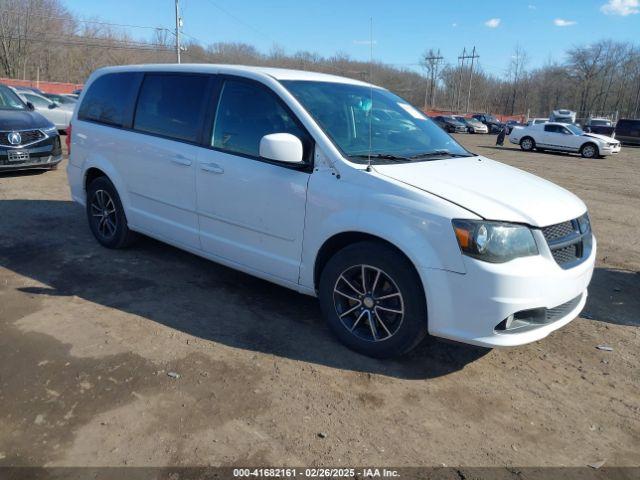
370	87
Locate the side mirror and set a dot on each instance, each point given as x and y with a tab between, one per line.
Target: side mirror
282	147
30	107
53	105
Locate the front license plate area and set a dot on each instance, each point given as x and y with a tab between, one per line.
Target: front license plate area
17	156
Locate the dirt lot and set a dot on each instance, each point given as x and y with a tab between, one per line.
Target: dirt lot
88	337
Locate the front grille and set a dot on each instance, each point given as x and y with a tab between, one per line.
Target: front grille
556	313
558	230
533	318
26	137
570	241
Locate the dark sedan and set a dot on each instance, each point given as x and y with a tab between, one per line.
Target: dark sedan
27	139
450	124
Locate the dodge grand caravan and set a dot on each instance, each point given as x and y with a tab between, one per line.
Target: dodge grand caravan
337	189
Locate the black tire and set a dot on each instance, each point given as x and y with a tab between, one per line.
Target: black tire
110	230
401	333
589	150
527	144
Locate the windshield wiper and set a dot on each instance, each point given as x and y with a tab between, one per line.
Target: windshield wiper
384	156
439	153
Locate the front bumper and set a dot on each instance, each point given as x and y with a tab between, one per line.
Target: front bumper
46	153
46	162
607	150
470	307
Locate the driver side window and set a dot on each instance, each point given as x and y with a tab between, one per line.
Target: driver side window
246	112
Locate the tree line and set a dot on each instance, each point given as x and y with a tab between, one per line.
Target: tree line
42	39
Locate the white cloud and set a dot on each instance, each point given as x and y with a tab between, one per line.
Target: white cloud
561	22
454	25
492	22
531	6
621	7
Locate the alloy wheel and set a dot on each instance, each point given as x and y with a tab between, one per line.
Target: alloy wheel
368	303
589	151
103	213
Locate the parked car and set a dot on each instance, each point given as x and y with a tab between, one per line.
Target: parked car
602	126
566	138
628	131
29	89
512	123
450	124
62	99
27	139
473	125
563	116
59	115
277	173
536	121
493	124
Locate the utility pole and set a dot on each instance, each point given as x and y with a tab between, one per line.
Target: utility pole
178	25
461	60
473	57
431	62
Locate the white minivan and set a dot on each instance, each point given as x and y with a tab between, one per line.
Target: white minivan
335	188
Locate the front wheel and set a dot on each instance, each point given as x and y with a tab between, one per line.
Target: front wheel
527	144
373	301
589	150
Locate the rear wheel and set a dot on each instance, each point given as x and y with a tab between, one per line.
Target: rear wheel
527	144
372	299
107	220
589	150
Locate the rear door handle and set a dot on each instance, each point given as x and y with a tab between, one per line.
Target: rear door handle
212	168
181	160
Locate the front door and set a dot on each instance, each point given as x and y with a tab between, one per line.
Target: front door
251	210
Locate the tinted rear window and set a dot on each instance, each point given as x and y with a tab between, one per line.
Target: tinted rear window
109	99
172	105
628	123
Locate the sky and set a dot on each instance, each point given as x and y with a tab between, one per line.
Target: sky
402	29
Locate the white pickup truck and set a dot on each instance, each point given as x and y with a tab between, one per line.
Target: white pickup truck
564	137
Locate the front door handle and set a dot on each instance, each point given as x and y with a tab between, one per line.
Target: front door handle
181	160
212	168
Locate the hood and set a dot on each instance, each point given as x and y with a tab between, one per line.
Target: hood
490	189
604	138
22	120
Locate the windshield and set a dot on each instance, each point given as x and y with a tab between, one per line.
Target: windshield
600	123
9	100
346	111
574	129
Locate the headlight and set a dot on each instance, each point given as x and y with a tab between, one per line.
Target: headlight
50	130
494	242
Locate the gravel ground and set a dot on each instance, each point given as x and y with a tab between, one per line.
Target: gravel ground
152	356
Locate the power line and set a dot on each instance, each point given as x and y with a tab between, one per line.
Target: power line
143	47
239	20
76	20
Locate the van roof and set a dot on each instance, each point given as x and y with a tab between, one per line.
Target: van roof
241	70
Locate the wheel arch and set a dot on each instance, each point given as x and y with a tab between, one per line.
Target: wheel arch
337	242
90	175
98	166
